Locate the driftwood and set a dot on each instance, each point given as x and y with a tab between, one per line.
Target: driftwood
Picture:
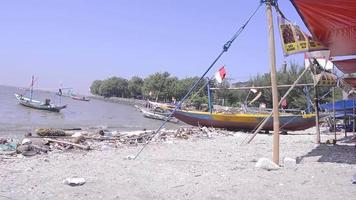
69	143
9	153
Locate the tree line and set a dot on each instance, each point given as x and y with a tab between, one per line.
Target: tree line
163	87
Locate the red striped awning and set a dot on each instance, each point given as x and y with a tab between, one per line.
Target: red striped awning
351	81
346	66
332	22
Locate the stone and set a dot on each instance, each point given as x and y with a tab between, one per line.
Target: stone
266	164
74	181
290	163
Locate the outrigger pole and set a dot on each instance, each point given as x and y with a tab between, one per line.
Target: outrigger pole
272	54
264	87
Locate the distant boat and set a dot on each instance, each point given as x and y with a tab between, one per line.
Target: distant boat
80	98
38	104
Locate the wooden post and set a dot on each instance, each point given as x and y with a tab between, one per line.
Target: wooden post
273	82
316	102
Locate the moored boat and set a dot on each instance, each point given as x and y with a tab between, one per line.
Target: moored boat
241	121
38	104
80	98
157	115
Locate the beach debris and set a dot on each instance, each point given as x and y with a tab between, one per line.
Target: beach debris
265	163
3	141
50	132
289	163
74	181
331	141
84	147
353	179
77	138
130	157
26	141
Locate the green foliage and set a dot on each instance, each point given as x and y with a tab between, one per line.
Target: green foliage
162	87
114	87
135	86
94	88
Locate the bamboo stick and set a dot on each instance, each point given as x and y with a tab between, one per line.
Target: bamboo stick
70	143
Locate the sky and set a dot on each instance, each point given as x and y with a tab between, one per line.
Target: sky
71	43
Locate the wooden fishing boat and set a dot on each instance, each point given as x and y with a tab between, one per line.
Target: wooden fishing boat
38	104
157	115
80	98
288	122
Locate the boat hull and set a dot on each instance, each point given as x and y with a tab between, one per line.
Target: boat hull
244	121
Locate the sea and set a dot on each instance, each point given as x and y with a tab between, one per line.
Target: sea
16	120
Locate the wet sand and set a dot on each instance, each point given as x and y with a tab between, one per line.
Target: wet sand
216	168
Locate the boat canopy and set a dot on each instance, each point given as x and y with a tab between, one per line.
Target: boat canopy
333	23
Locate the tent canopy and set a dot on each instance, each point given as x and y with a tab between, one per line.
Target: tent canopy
332	22
346	66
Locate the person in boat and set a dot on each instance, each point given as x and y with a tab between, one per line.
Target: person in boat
47	101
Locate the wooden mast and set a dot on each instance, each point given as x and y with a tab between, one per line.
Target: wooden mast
272	55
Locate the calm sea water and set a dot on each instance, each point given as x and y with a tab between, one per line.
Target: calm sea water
15	119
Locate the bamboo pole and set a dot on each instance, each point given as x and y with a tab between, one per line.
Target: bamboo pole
316	102
263	87
273	83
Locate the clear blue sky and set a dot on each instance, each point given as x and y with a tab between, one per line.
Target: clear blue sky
74	42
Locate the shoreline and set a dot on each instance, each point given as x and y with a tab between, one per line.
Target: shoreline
119	100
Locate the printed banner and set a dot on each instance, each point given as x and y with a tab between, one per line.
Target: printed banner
294	40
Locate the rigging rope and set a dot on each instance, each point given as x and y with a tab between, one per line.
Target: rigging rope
225	49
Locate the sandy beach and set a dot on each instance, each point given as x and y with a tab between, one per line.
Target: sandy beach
198	168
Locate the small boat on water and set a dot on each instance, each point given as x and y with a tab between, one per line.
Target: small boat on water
38	104
80	98
242	121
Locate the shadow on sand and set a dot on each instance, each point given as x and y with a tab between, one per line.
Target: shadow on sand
343	152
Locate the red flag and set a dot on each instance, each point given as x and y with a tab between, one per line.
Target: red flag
220	75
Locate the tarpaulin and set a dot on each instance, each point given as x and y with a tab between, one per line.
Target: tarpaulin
346	66
331	22
351	81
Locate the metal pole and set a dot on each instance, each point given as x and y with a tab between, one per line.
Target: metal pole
334	113
273	83
209	97
353	115
345	119
316	102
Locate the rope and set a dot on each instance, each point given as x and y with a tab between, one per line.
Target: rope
225	49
